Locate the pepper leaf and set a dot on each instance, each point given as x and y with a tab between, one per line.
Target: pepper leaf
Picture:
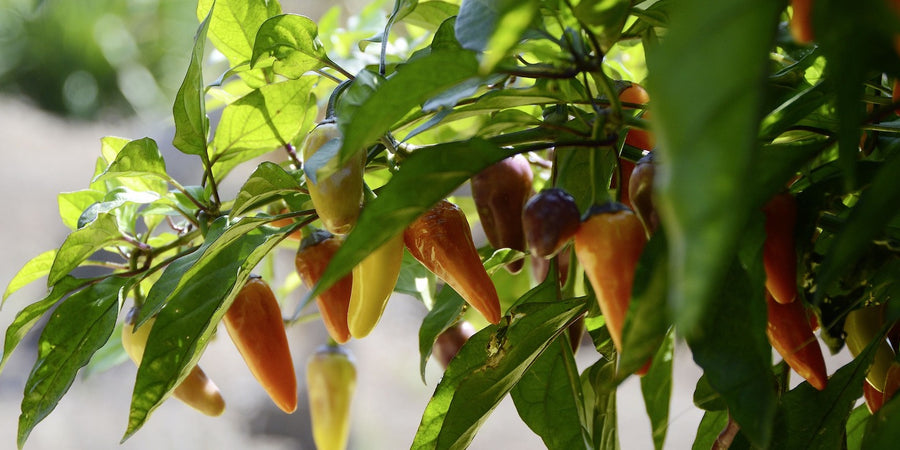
76	329
268	181
493	27
37	267
448	307
487	366
698	180
293	41
83	243
189	110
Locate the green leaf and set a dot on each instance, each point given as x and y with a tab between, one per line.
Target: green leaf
37	267
193	309
647	321
448	307
877	206
486	368
430	15
812	419
712	423
426	177
416	280
292	40
189	110
709	145
792	111
736	357
549	398
268	181
706	398
139	158
113	201
83	243
583	172
29	316
233	27
364	115
73	204
656	386
76	329
856	427
493	27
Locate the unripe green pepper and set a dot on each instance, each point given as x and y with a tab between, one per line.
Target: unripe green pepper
374	279
549	220
442	241
330	382
313	256
791	335
500	192
256	327
196	390
861	327
608	244
338	196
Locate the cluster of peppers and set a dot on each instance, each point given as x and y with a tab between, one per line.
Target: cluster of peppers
255	325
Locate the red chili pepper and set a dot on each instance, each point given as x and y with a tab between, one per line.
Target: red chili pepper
313	256
256	327
442	241
791	336
779	251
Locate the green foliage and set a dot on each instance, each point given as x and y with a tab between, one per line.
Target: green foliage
434	92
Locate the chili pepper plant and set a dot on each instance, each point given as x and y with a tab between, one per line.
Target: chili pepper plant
422	96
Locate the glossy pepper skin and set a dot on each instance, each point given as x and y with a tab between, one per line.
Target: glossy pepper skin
256	327
779	253
791	336
608	245
642	139
338	196
448	343
861	326
500	192
196	391
874	398
330	381
373	282
313	256
640	191
801	21
549	220
442	241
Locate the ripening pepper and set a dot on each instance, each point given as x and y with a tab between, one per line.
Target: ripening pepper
801	21
256	327
792	337
374	279
892	381
608	245
448	343
640	191
196	390
642	139
330	382
874	398
625	168
861	327
500	192
549	220
779	253
442	241
313	256
338	196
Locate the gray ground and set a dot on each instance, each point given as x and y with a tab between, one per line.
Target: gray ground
390	396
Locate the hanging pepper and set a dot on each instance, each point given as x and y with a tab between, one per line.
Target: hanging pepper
801	21
373	282
500	192
779	254
448	343
196	390
336	197
549	220
792	337
330	382
256	327
313	256
442	241
608	245
640	191
861	326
